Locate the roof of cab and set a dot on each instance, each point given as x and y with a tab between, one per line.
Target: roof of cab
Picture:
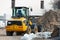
21	7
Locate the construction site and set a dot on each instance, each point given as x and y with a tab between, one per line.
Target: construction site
30	20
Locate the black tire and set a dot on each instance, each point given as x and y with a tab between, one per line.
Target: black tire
9	33
18	33
39	28
28	30
35	29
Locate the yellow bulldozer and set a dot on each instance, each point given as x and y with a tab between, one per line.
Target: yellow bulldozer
19	22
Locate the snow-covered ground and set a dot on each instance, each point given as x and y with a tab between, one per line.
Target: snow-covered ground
37	35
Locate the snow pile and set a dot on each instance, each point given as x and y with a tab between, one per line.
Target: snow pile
43	34
47	34
28	36
37	35
2	25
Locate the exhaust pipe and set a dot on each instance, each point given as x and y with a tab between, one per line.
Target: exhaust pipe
13	4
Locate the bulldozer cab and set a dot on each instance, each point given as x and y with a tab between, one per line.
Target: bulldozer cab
20	12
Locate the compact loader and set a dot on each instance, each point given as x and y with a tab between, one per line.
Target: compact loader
19	21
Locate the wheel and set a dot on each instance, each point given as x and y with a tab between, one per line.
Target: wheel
29	30
9	33
39	28
35	29
18	33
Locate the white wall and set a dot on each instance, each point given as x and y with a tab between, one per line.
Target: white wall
35	4
5	6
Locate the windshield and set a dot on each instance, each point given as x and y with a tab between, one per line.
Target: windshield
23	12
20	13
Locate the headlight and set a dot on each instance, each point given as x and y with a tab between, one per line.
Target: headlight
9	22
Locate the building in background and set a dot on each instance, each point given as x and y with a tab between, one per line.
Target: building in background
38	6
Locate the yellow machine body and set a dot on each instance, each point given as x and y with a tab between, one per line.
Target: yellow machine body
15	27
